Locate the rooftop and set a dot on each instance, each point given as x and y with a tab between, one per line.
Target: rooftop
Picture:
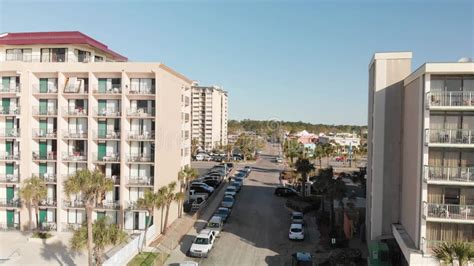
60	37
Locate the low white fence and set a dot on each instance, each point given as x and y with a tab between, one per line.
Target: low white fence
122	254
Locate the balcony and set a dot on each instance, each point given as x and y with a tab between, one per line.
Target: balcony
140	158
107	112
141	112
49	156
48	226
9	156
9	133
45	111
73	204
9	178
110	157
10	89
116	89
461	138
449	175
75	111
9	226
14	203
108	205
140	181
140	135
449	212
44	133
70	227
115	179
107	134
75	134
48	178
76	89
133	205
10	111
50	89
49	202
74	157
142	90
450	100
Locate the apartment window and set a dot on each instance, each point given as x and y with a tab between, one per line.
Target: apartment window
82	56
18	55
452	83
53	54
142	86
98	58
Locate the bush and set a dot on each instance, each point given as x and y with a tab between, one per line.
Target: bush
42	235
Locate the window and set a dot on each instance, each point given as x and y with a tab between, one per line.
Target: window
98	58
82	56
18	55
53	54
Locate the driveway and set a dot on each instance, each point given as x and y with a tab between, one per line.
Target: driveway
257	231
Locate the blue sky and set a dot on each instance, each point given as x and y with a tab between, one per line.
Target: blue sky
287	60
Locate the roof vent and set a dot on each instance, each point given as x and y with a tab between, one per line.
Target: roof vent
465	60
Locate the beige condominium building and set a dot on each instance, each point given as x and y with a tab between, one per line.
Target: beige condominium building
209	116
420	181
68	102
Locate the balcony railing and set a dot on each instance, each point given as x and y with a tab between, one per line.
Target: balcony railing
115	179
12	110
9	178
115	89
107	134
141	112
133	205
142	90
76	89
44	156
10	156
451	99
145	158
449	211
47	177
49	89
9	226
45	111
49	202
108	204
140	181
9	88
449	174
44	133
75	156
429	245
75	134
48	226
141	135
109	157
75	111
69	227
107	112
9	132
73	204
10	202
450	136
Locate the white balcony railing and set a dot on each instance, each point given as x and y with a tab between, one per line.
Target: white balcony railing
451	98
74	156
75	111
107	134
142	157
450	136
115	89
140	181
44	133
108	157
47	177
10	156
51	155
141	135
141	112
9	132
107	112
12	110
449	174
10	88
9	178
449	211
75	134
49	89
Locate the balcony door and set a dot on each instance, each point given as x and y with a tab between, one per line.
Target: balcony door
43	85
10	218
102	151
43	150
10	193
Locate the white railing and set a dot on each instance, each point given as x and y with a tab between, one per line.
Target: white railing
108	157
74	156
141	135
449	211
9	178
12	156
12	110
49	202
47	177
109	111
107	134
108	204
115	89
51	155
10	202
140	181
50	89
10	89
141	112
142	90
75	134
9	132
140	157
451	174
75	111
44	133
450	136
451	98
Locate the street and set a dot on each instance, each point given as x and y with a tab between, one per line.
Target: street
257	231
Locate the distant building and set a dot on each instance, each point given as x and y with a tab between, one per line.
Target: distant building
209	116
345	140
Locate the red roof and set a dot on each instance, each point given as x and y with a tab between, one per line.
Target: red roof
61	37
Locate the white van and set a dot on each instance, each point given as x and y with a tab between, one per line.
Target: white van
215	224
202	244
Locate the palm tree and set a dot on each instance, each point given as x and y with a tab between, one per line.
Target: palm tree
449	251
32	193
186	175
168	198
92	185
194	146
328	151
304	167
319	153
104	234
228	150
149	202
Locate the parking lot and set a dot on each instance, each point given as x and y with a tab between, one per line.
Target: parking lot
257	231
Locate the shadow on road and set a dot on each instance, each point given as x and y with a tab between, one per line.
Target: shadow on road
58	252
186	242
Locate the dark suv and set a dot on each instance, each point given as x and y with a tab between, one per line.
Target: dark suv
285	192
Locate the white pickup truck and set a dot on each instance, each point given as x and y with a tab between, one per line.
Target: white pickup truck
198	197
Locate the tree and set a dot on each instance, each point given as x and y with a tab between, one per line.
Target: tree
194	146
149	202
449	251
32	193
92	185
228	150
248	145
186	175
292	149
328	151
304	167
104	234
168	197
319	153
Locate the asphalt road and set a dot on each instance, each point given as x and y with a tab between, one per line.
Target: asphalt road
257	231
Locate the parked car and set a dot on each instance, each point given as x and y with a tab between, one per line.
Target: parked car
202	244
297	218
203	157
201	184
193	195
218	158
279	160
223	212
212	182
215	224
238	179
188	263
199	189
301	259
285	192
230	165
248	169
296	232
240	174
237	185
228	202
230	190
